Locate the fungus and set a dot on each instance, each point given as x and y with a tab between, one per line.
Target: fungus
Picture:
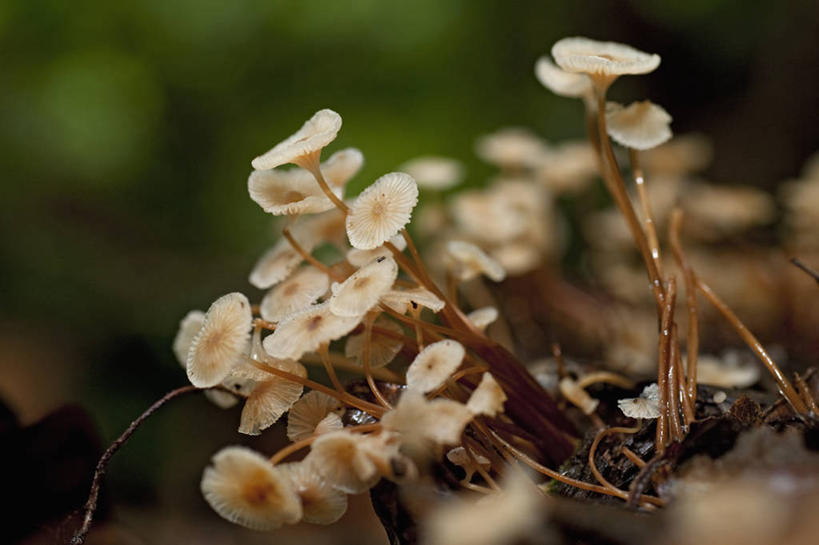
640	125
189	326
306	330
560	82
294	294
647	405
511	148
603	62
436	173
727	372
309	412
342	166
425	424
434	364
460	458
399	300
220	342
288	192
383	347
482	317
472	261
716	211
339	458
277	263
578	396
359	258
488	398
268	401
381	210
362	290
305	145
320	502
244	488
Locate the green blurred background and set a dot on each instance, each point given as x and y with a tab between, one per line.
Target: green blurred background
127	130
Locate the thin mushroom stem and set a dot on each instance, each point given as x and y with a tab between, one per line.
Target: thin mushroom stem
368	330
365	406
557	354
102	465
419	333
662	367
687	407
523	457
804	389
648	217
483	473
313	165
633	457
785	386
607	377
593	466
617	187
674	387
324	352
340	362
307	256
693	338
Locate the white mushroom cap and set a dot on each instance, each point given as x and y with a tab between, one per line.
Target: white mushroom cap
726	374
383	348
362	290
306	330
560	82
434	364
296	293
399	300
424	423
288	192
460	458
602	59
339	458
645	406
577	395
317	132
243	487
220	342
359	258
434	172
512	147
321	503
268	401
488	398
474	261
719	210
189	326
641	125
381	210
482	317
277	263
342	166
308	412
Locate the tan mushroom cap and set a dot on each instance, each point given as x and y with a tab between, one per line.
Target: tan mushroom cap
560	82
288	192
577	395
434	364
401	300
482	317
474	261
437	173
362	290
605	60
221	341
460	458
342	166
381	210
321	503
511	147
296	293
268	401
339	458
306	330
383	347
488	398
244	488
359	258
726	374
277	263
644	406
315	134
189	326
424	424
640	125
308	412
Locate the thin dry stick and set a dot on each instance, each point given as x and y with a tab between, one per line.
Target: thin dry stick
368	329
102	464
690	300
523	457
593	466
785	385
813	274
648	218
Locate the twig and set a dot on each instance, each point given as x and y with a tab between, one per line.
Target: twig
102	464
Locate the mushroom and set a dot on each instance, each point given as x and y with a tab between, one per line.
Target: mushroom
434	364
381	210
